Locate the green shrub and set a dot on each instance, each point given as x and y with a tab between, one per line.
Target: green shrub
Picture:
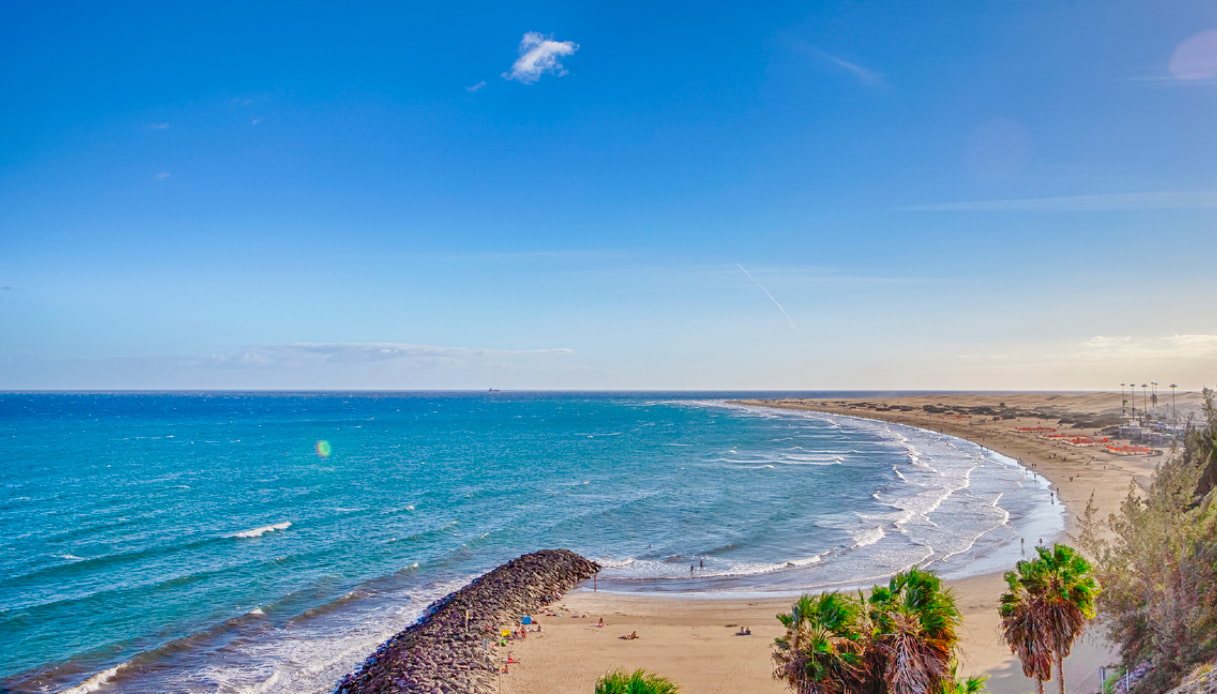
636	682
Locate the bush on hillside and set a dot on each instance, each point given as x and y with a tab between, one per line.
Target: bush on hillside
1160	565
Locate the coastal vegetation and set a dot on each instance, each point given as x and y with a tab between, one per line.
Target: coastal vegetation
1157	560
902	639
1050	600
636	682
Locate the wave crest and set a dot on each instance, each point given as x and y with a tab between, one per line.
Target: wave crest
259	532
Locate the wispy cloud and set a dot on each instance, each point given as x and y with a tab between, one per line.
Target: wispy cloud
771	298
159	126
1109	351
473	88
1170	347
803	276
864	75
255	121
539	55
163	175
375	366
301	355
1172	81
1166	200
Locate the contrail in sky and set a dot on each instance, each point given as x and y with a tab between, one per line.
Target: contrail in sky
775	301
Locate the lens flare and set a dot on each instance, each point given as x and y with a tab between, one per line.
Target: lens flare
323	448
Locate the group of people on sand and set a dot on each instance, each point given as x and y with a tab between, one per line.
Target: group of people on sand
522	632
631	636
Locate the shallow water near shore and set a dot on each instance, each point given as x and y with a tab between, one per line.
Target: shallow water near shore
212	543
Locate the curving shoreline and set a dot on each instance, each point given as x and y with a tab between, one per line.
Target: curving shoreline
449	651
1075	473
692	640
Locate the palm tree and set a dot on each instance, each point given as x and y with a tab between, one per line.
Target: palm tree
1021	631
636	682
822	649
900	640
1050	600
914	633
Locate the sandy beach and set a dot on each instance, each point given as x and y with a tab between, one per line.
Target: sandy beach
693	640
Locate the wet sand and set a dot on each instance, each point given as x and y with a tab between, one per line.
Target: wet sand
693	641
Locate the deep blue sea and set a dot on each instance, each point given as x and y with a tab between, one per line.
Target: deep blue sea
267	542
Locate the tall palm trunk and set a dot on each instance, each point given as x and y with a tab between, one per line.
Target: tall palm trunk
1039	686
1060	671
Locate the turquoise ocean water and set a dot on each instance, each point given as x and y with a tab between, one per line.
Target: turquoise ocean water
203	542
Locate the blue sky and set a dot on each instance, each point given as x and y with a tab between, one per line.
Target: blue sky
401	195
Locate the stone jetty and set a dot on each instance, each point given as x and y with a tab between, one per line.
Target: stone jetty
450	650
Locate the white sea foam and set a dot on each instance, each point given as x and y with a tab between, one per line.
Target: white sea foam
942	511
308	655
678	567
96	681
259	532
868	537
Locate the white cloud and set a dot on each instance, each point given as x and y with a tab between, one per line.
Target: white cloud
1083	203
163	175
864	76
255	121
303	366
1157	348
159	126
539	55
1172	81
300	355
474	88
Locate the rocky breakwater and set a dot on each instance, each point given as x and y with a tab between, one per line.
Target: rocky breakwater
450	649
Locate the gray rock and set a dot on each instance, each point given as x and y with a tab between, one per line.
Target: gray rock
439	654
